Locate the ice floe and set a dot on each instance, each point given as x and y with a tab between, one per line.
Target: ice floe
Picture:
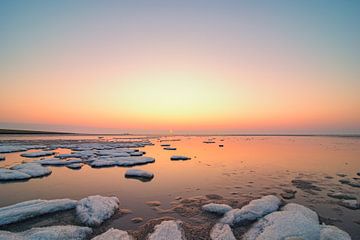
169	148
57	162
351	204
340	195
69	155
132	161
168	230
252	211
221	231
113	234
32	169
216	208
178	157
67	232
12	175
333	233
137	173
94	210
284	225
75	166
33	208
10	149
37	154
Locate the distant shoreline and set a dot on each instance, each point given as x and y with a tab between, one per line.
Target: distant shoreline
15	131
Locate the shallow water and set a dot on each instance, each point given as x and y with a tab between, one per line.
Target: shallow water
245	168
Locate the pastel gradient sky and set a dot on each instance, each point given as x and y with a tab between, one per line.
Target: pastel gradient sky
186	66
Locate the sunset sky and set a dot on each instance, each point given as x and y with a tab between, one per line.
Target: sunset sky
181	66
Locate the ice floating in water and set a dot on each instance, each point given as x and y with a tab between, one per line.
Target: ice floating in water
113	234
169	148
2	158
32	169
139	153
37	154
121	161
216	208
94	210
165	145
137	173
10	149
67	232
340	195
178	157
221	231
253	211
168	230
351	204
333	233
69	155
57	162
75	166
12	175
33	208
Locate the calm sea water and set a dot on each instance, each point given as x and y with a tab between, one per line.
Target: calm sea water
244	168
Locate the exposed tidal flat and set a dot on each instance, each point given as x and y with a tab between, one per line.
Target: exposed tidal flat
133	187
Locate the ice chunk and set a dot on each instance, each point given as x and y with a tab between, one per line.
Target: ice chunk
113	234
12	175
38	154
352	204
340	195
253	211
33	208
284	225
168	230
303	210
333	233
102	163
137	173
75	166
139	153
169	148
132	161
67	232
216	208
10	149
57	162
32	169
221	232
94	210
69	155
178	157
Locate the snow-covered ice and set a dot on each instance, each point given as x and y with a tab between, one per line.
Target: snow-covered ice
137	173
333	233
113	234
33	208
57	162
94	210
12	175
221	231
37	154
132	161
252	211
168	230
67	232
178	157
32	169
284	225
75	166
216	208
307	212
10	149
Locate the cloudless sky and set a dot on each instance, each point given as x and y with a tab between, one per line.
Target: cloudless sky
186	66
